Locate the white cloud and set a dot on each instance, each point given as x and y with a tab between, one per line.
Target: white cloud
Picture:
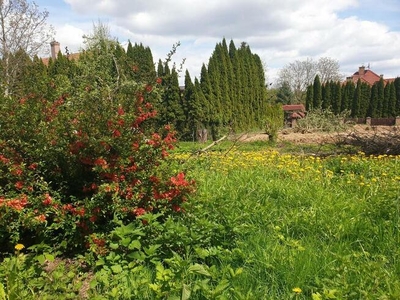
279	31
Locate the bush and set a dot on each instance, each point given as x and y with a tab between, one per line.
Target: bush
274	121
70	167
322	120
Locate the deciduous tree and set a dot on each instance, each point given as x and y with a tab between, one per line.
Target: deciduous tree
23	28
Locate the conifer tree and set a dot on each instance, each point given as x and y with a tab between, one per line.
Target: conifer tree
191	107
392	100
385	105
310	97
336	97
347	96
365	99
317	93
285	95
373	103
355	108
326	95
381	98
172	110
397	90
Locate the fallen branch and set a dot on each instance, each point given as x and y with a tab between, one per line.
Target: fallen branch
211	145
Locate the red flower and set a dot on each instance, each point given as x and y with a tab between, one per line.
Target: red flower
33	166
149	88
116	133
176	208
48	200
179	180
159	80
19	185
41	218
139	211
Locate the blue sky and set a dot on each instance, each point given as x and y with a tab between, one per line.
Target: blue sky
351	31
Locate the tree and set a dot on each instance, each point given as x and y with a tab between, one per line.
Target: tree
317	101
328	70
23	27
397	91
284	94
300	74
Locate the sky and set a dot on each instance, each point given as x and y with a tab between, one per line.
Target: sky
353	32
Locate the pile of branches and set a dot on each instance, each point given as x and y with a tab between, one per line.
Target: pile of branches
374	142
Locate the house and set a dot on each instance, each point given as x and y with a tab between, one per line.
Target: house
293	112
55	49
367	76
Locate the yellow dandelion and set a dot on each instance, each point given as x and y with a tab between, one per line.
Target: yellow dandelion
297	290
19	247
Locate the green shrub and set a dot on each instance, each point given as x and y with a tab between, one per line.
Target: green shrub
69	167
274	121
322	120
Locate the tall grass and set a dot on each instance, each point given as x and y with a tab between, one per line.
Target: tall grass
262	225
329	226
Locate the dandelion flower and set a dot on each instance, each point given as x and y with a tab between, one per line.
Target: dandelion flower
19	247
297	290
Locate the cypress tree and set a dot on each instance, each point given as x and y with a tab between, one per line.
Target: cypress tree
386	97
365	99
317	93
373	103
284	94
397	90
381	98
336	97
392	100
326	95
347	96
355	108
191	107
172	108
310	97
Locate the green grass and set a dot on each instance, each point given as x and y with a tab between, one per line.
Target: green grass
261	224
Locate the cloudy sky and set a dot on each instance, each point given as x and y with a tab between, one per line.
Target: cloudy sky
354	32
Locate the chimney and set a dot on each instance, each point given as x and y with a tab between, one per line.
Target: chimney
361	70
55	48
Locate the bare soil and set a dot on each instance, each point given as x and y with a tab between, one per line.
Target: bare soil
290	135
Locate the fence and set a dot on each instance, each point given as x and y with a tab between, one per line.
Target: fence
376	121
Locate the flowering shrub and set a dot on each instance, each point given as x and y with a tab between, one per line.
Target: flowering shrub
69	167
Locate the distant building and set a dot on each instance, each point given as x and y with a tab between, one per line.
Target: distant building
292	113
55	49
367	76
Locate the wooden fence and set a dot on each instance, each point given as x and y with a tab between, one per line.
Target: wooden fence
376	121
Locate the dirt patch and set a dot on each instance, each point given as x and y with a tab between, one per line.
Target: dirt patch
290	135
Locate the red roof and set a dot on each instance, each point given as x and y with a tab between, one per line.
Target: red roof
367	76
72	56
294	107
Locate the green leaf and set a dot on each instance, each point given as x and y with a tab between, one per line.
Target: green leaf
2	292
100	262
41	259
151	250
114	246
49	256
199	269
135	245
139	255
316	296
116	269
185	292
93	283
221	287
125	241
